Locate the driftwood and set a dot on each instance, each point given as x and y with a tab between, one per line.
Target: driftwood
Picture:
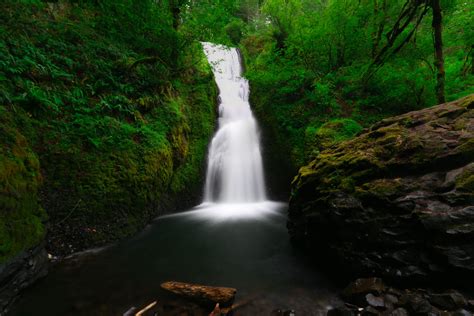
146	308
208	295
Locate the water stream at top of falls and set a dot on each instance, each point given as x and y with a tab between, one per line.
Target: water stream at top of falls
234	170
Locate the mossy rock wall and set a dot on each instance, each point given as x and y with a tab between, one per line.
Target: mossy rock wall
94	196
21	216
396	201
103	129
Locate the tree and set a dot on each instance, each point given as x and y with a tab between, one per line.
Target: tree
438	50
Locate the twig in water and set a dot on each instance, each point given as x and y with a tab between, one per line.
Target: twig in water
141	312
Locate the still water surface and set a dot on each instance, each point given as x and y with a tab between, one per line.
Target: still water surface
245	246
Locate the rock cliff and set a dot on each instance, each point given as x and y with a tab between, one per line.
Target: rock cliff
396	201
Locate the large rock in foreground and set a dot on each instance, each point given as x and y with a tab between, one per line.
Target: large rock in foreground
398	199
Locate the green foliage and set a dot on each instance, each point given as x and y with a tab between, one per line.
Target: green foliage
118	110
234	31
21	217
307	62
211	20
328	134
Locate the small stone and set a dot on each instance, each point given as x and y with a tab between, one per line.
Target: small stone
375	301
470	305
390	299
399	312
356	291
370	311
461	312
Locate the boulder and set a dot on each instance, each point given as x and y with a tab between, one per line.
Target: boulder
416	303
206	295
450	301
396	201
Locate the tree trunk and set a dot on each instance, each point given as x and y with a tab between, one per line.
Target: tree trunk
175	9
438	48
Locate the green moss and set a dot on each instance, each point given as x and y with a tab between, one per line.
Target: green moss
118	131
381	188
466	149
328	134
21	216
467	102
465	180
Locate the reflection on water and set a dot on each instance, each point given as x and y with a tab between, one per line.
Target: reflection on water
247	249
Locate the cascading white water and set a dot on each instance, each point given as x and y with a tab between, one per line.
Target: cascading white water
234	170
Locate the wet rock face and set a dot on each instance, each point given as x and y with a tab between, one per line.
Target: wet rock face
20	272
396	201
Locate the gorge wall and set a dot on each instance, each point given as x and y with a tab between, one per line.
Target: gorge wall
101	129
397	200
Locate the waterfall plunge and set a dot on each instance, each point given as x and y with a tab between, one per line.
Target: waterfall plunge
234	170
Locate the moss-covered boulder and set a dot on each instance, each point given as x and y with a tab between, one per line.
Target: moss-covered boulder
397	200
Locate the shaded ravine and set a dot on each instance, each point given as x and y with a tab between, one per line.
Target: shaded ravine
236	238
250	254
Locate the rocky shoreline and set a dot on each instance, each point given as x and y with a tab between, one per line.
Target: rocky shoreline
65	239
21	272
63	242
371	296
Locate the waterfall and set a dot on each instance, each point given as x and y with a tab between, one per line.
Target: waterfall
234	168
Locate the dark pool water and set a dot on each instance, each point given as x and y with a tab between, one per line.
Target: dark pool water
246	247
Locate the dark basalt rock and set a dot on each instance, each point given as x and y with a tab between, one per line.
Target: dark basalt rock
399	312
341	311
450	301
398	200
388	300
416	303
375	301
19	273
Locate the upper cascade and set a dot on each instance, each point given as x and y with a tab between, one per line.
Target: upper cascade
234	169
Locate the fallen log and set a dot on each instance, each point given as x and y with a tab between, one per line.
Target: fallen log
207	295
